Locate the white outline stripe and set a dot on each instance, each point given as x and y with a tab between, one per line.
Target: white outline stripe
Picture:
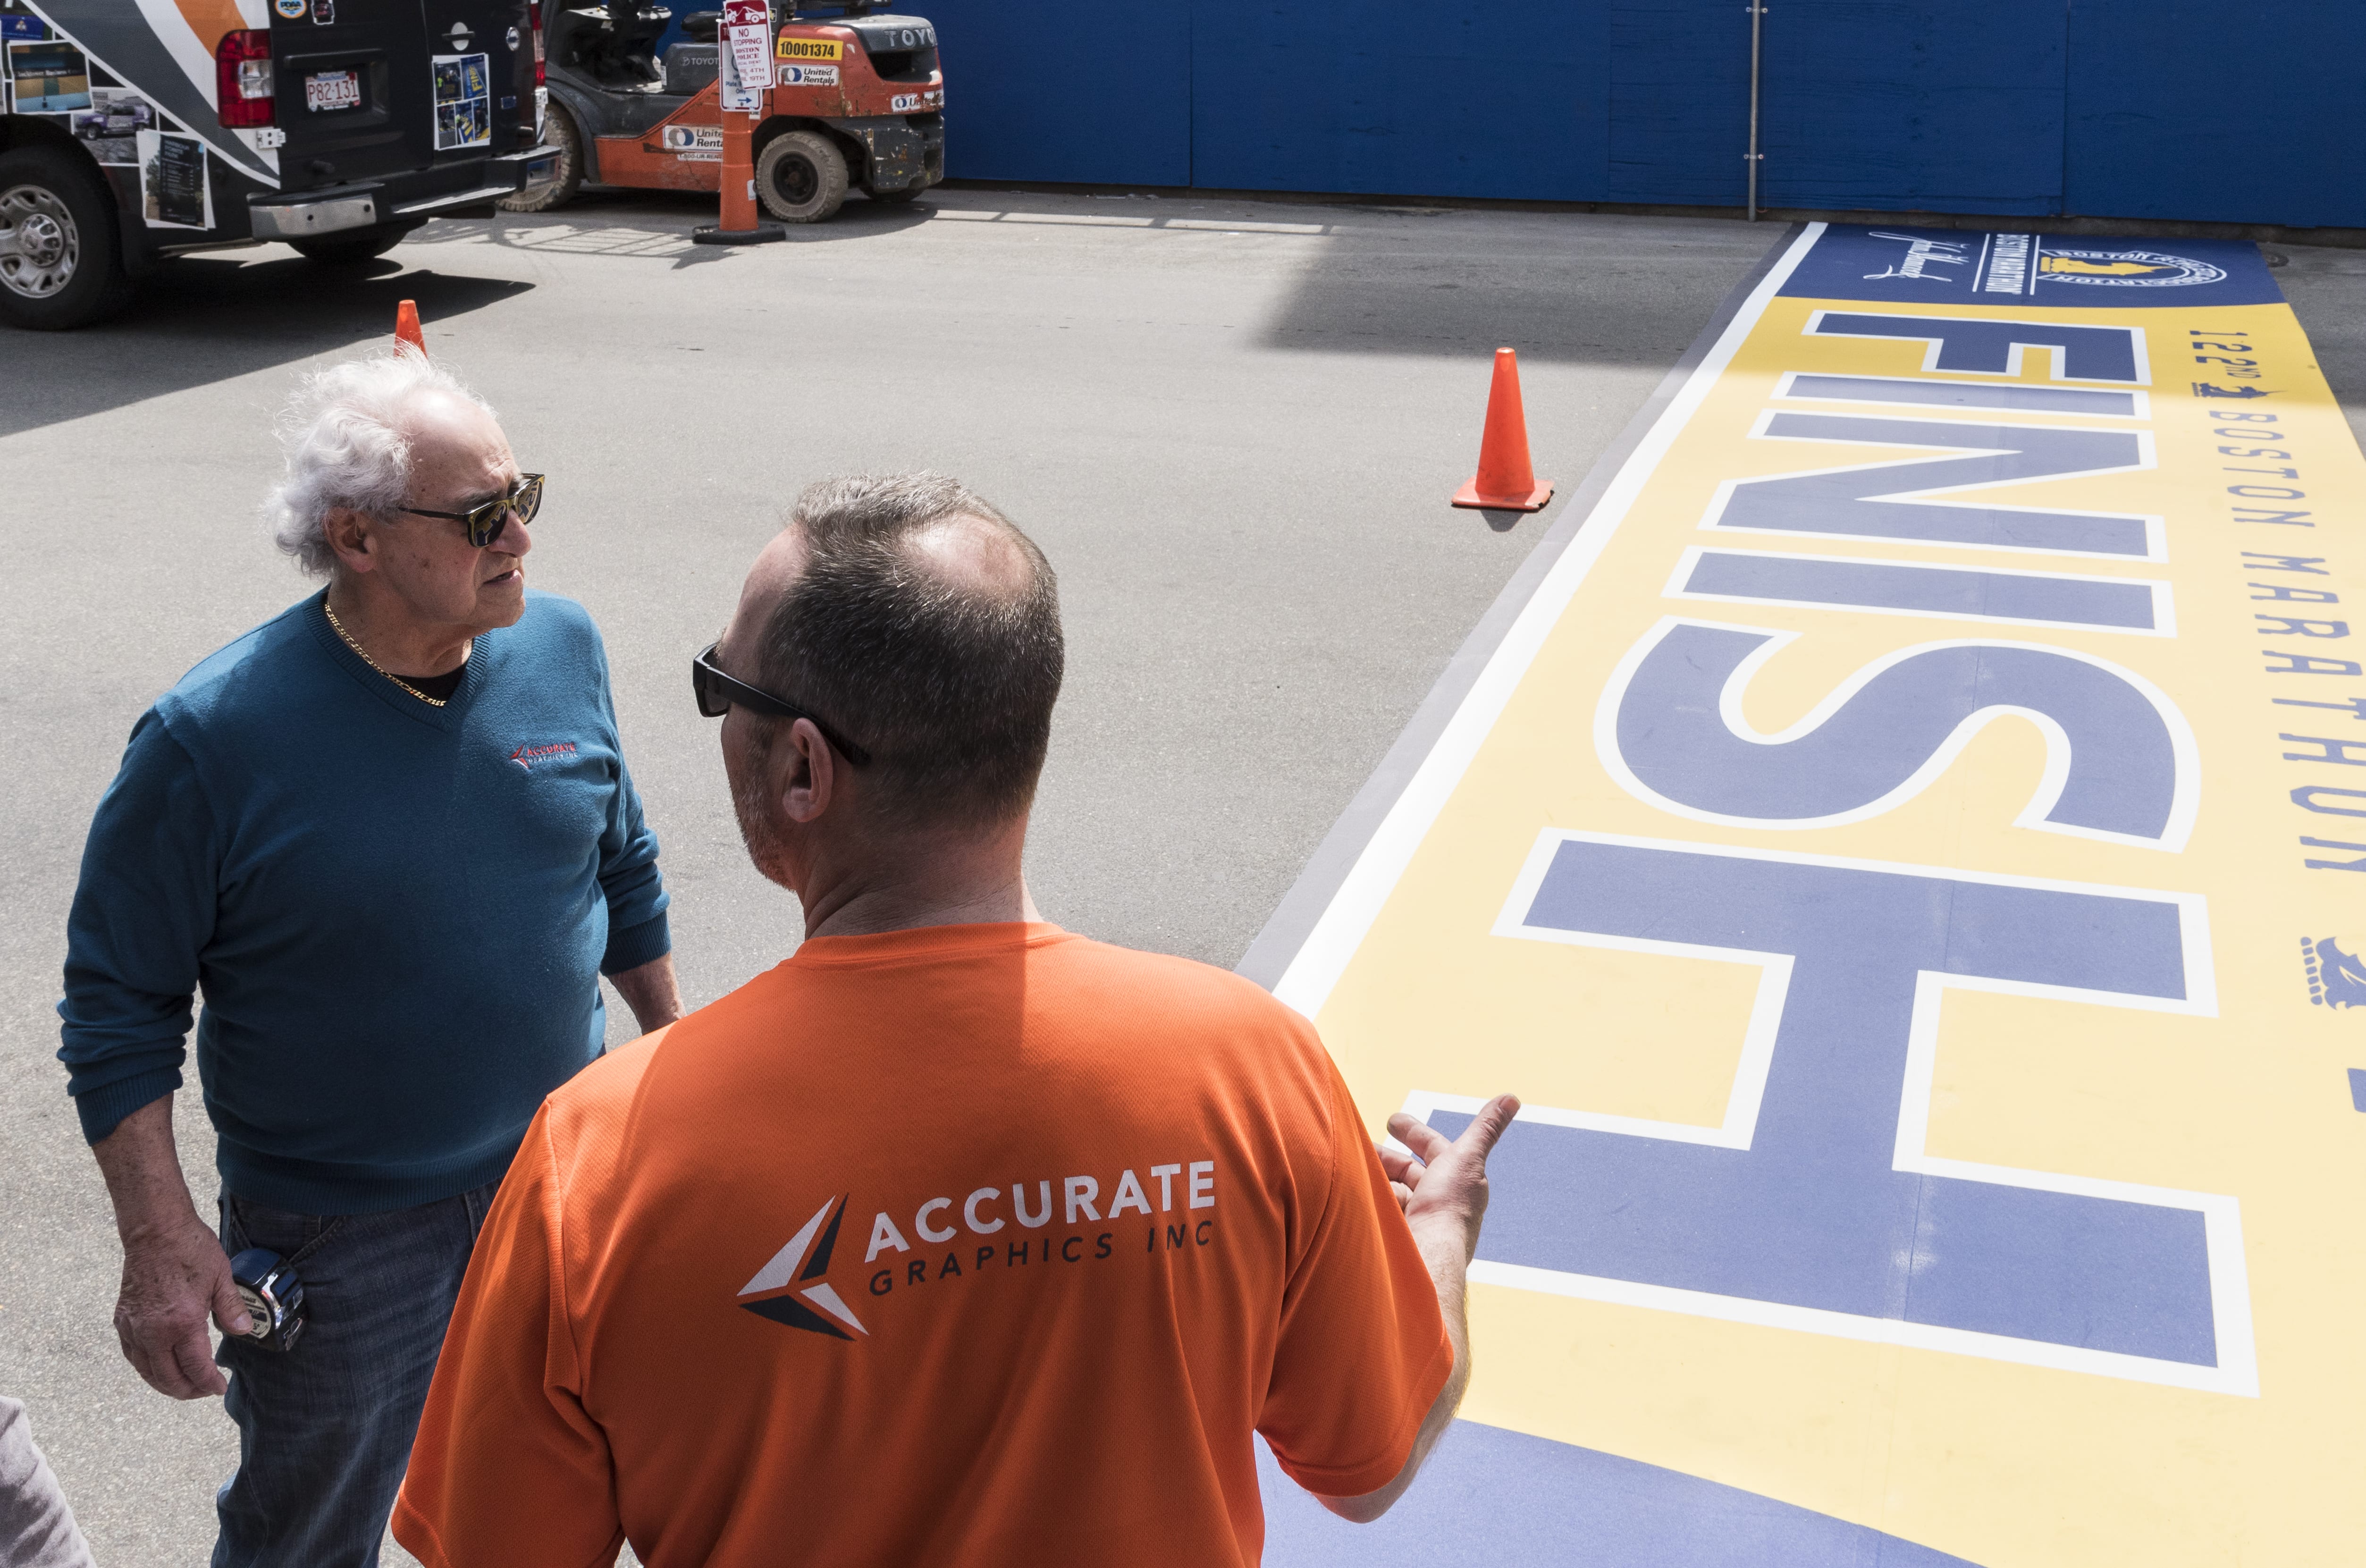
1876	1330
1322	957
2140	400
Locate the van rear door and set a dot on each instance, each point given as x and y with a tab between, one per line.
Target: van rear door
484	62
368	88
355	96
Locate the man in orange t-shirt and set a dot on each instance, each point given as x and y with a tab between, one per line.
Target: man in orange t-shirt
955	1238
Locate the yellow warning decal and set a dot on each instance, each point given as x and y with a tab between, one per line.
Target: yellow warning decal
807	48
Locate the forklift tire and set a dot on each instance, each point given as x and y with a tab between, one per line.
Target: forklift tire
59	266
801	176
559	131
354	246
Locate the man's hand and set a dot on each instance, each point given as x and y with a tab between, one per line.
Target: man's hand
1442	1185
175	1274
174	1280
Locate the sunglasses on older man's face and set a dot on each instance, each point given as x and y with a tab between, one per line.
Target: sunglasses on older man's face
489	520
717	694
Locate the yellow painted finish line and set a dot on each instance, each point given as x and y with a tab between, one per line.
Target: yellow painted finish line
1902	845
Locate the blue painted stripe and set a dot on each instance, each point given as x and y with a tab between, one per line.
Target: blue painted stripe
1879	500
1497	1497
1930	590
2014	397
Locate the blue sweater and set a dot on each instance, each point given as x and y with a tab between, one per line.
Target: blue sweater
398	914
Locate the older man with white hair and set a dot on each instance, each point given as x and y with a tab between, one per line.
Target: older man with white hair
390	835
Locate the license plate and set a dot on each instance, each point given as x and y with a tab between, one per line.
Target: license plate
328	90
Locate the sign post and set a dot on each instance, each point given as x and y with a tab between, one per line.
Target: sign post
745	65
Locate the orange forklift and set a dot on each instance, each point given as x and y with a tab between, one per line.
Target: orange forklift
857	101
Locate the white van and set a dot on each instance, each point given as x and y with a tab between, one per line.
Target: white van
134	130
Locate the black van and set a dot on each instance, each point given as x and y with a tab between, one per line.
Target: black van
127	138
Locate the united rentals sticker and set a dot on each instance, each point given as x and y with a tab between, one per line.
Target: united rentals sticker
693	143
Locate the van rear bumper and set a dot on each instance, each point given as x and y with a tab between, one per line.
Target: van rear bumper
276	214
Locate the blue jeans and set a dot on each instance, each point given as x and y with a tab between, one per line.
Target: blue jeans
324	1429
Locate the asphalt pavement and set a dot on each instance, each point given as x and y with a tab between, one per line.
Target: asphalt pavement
1233	425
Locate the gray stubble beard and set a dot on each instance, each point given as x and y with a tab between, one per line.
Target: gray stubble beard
754	810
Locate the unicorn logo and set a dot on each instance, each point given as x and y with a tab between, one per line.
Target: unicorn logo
2335	976
1920	255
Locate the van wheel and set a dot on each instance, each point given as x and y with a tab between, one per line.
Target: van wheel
59	265
801	177
354	246
559	129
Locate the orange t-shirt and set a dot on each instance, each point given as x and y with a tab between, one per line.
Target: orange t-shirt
977	1245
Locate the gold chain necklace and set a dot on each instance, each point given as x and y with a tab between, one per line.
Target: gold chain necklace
340	628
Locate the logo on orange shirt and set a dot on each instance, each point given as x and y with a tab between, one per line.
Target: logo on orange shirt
791	1288
779	1289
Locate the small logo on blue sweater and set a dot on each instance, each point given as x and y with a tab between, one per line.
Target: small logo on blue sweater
526	757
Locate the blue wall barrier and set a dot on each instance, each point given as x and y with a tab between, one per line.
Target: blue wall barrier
2230	110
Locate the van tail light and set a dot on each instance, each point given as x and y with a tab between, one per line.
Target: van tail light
533	22
242	85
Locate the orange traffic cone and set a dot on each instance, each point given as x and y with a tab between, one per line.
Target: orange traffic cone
406	328
1504	478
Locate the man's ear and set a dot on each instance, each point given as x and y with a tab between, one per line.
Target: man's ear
808	781
348	534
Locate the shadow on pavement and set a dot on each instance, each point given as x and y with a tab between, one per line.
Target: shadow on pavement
206	319
1398	279
653	223
1595	291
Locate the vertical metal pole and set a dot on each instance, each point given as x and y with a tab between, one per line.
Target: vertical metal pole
1757	16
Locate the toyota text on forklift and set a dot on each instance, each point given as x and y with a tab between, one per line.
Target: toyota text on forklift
136	130
857	99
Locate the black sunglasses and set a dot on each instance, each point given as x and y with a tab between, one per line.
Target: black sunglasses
716	692
489	520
